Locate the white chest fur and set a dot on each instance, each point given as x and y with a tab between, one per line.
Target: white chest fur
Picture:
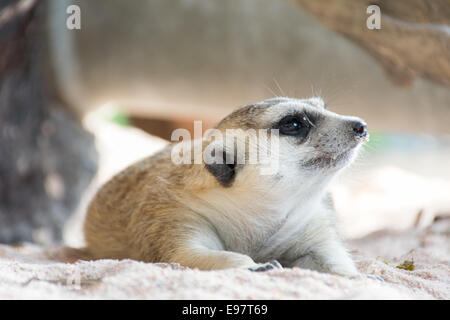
261	225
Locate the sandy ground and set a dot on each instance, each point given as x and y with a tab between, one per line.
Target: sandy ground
26	273
391	215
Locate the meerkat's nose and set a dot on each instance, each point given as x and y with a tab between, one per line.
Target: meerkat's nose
359	128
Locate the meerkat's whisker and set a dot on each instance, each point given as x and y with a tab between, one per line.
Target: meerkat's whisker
278	85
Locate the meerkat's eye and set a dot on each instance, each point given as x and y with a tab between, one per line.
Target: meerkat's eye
290	125
294	126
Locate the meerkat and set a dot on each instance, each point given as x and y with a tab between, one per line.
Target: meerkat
229	215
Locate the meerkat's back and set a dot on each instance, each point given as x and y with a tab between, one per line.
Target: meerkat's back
107	225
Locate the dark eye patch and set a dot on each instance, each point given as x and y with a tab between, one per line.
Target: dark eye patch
295	125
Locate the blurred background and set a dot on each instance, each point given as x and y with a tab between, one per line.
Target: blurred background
78	105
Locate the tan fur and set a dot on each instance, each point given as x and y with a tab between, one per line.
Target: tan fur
156	211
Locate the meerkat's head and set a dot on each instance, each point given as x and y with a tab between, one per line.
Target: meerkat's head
313	142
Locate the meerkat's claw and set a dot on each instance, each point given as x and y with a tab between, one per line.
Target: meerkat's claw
375	277
274	264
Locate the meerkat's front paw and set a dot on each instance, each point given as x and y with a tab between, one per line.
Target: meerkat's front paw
345	268
348	271
274	264
337	262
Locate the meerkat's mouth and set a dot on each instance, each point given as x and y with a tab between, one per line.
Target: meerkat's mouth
328	160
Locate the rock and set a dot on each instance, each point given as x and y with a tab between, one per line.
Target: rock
47	158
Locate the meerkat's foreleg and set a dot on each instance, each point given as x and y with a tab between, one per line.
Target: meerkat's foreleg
204	258
325	252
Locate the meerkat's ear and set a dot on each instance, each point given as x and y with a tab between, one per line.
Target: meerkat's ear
224	171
